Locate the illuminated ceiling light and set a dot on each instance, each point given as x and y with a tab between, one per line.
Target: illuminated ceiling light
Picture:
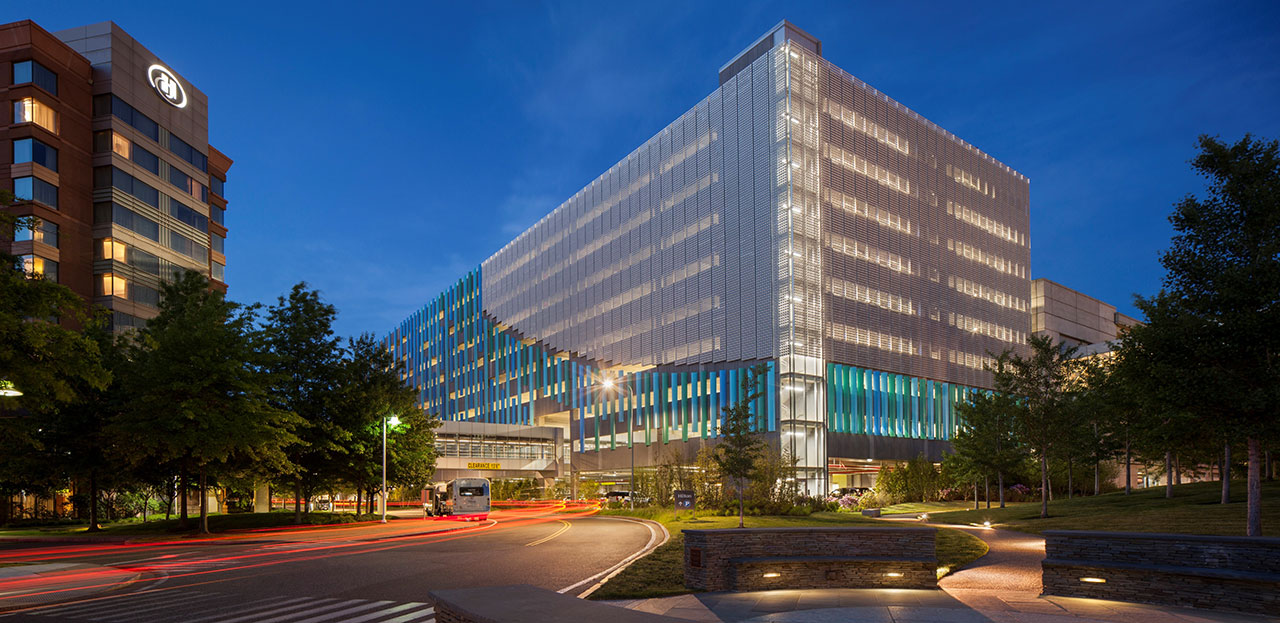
772	574
893	574
795	164
1094	580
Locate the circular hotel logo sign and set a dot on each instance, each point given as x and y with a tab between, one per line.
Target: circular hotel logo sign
167	85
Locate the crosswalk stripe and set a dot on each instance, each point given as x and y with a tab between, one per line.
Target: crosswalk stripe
338	613
385	612
256	608
109	603
134	607
421	615
127	612
305	603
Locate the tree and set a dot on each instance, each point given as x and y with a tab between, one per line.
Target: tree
367	389
305	364
197	397
1223	271
739	445
1043	381
40	355
986	444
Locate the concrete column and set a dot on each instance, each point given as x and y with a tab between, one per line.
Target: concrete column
262	499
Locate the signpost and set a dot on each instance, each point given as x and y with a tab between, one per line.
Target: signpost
684	500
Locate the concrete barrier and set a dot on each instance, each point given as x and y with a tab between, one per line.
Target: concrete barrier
754	559
527	604
1221	573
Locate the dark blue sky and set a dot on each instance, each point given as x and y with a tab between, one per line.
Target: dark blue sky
381	152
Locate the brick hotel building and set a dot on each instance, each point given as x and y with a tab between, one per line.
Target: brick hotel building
109	147
796	217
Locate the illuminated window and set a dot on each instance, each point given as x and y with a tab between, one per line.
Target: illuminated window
874	339
34	150
858	207
31	110
979	291
990	226
860	165
110	284
870	128
989	329
862	251
996	262
863	294
36	266
969	180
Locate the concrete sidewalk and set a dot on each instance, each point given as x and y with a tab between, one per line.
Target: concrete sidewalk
23	586
1001	587
916	606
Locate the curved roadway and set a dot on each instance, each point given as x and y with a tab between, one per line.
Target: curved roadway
343	573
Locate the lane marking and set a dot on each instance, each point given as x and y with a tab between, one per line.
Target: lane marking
616	569
555	534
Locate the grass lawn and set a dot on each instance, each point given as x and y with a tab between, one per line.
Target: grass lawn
661	573
217	523
1194	509
927	507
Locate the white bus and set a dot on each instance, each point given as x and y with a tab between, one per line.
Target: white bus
464	498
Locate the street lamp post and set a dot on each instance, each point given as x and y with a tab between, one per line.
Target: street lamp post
393	420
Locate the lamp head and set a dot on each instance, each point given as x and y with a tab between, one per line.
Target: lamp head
393	421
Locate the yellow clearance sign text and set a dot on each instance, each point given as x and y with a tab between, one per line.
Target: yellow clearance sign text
484	466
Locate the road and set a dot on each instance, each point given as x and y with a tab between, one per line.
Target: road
366	574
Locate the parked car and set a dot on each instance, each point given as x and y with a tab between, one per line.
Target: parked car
857	492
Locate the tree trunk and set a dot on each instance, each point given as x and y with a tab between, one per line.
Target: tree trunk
1044	485
740	513
1177	470
1254	524
359	500
183	522
975	494
986	484
1128	468
204	503
1070	477
1225	473
171	486
93	501
1097	477
1168	474
297	502
1000	486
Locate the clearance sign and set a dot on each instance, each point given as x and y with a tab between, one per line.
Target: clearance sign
484	466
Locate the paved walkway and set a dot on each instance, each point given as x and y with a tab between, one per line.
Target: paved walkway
1001	587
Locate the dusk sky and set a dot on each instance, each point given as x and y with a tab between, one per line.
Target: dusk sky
382	151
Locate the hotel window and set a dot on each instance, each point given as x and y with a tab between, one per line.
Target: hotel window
121	320
218	272
115	142
36	189
188	216
188	153
187	184
34	265
111	285
104	177
32	110
126	218
216	185
218	243
33	150
217	214
37	74
112	105
45	233
188	247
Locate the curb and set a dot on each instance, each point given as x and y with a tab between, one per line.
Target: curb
626	562
65	539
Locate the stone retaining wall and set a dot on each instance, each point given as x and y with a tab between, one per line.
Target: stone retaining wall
1221	573
740	559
